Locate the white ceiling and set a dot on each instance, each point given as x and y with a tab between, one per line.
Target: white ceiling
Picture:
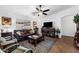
25	11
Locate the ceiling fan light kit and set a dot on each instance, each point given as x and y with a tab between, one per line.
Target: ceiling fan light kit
41	12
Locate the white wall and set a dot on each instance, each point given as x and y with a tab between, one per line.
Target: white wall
68	26
23	26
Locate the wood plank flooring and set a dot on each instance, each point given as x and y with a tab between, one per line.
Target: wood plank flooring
64	45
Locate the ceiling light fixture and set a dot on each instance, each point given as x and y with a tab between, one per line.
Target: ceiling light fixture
41	12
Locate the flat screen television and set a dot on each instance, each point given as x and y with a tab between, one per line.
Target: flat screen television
47	24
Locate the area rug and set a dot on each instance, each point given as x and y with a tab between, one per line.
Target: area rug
42	47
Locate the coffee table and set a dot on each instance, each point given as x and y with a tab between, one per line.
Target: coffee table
35	39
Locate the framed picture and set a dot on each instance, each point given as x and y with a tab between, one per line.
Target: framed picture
6	21
25	23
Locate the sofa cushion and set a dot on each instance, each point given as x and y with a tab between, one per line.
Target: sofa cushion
23	33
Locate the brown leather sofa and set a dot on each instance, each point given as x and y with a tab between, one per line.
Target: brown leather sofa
22	34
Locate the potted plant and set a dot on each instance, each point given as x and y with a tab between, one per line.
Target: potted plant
57	32
76	19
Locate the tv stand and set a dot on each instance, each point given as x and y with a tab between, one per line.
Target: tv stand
48	31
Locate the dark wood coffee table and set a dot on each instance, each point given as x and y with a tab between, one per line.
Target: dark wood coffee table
35	39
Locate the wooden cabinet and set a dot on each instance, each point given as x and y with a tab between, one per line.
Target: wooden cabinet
48	32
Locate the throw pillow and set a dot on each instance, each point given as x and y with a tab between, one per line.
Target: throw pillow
2	40
19	33
8	38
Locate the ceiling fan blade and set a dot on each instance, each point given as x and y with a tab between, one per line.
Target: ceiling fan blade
37	9
40	7
44	13
46	10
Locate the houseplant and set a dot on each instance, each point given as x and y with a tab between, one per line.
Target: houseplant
57	31
76	20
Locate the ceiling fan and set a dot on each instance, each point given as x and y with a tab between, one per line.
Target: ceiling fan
40	11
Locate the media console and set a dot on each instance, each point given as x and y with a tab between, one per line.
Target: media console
48	31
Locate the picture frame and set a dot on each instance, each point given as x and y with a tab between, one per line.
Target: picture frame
6	21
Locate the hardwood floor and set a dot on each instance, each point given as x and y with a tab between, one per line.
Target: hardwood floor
64	45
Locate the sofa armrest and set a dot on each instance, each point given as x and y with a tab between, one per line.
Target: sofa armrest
8	42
